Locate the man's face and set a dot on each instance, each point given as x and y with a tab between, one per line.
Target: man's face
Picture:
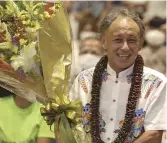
122	41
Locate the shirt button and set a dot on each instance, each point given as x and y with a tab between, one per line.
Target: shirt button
108	139
111	119
114	100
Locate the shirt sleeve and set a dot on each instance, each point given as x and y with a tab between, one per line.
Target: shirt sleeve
44	130
156	116
81	89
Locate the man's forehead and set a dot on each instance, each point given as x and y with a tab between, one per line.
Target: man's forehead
129	32
124	24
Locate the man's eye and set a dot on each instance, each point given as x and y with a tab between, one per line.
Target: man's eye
118	40
132	40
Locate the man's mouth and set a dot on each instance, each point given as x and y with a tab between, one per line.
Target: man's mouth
124	56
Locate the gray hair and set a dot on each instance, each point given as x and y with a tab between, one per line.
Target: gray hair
107	21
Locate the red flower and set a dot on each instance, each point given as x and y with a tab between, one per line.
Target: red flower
48	6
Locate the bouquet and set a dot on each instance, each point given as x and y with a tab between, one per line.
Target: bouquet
35	60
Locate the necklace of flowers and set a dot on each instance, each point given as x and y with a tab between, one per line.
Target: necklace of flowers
133	97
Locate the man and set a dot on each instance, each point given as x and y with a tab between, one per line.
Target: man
123	102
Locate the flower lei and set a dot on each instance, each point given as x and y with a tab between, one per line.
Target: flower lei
134	95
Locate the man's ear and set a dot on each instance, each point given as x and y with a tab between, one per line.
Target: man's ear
103	42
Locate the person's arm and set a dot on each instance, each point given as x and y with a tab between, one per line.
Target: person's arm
155	120
150	137
43	140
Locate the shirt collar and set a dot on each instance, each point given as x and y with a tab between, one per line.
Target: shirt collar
122	74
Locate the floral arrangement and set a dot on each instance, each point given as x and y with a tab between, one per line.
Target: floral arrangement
35	60
18	32
20	23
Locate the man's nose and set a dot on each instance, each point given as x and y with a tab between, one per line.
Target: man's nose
125	46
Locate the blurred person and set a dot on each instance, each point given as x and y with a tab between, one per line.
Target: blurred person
155	8
109	5
123	101
88	24
83	8
90	52
83	15
139	7
21	121
78	10
154	54
156	22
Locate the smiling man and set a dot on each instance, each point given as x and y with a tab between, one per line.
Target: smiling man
122	42
123	101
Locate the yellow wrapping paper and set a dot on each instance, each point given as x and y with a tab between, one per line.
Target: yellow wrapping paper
55	45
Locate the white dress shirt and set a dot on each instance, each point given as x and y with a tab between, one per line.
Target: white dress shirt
150	112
